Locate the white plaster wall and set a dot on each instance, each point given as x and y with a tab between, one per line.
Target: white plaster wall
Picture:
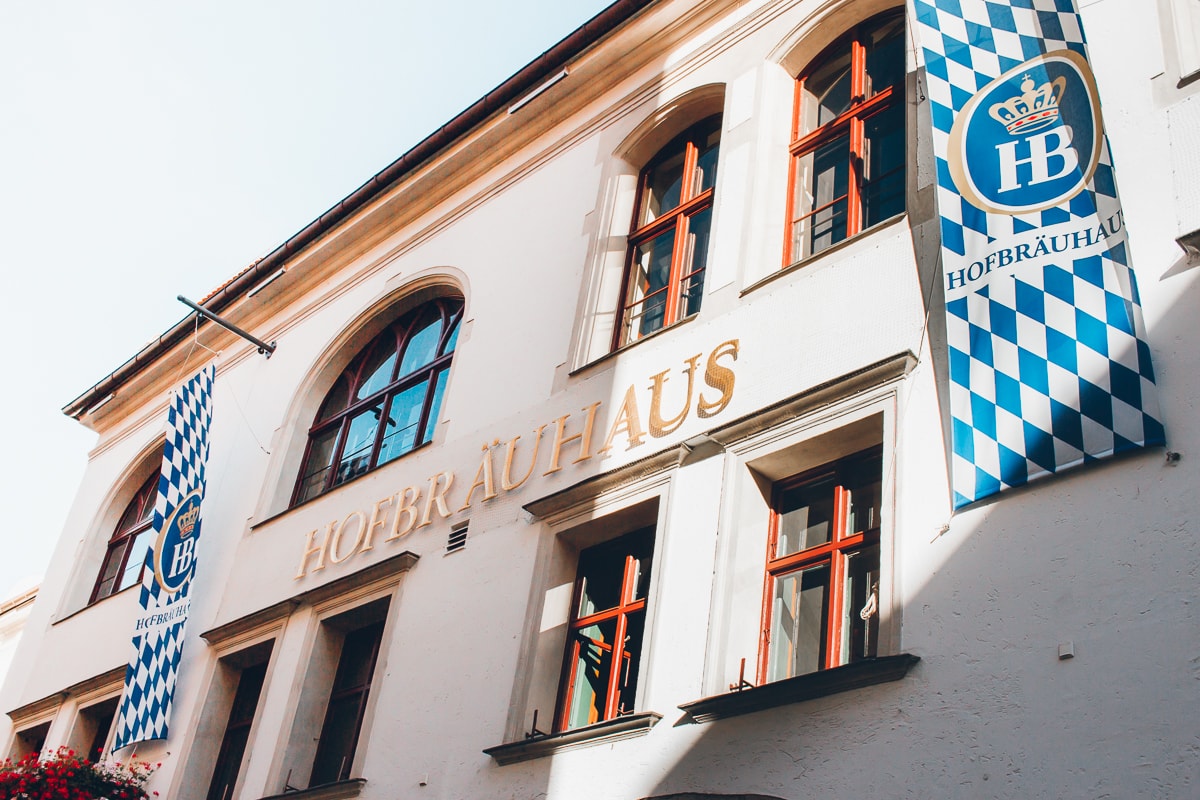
1104	557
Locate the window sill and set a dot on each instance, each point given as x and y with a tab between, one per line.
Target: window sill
628	345
803	687
613	730
808	261
326	791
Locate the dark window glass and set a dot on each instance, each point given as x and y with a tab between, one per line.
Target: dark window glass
668	248
126	551
237	732
606	630
351	436
347	705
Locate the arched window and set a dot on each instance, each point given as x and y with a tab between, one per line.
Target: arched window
848	143
122	565
668	246
385	402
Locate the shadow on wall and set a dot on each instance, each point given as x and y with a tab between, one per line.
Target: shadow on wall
1103	557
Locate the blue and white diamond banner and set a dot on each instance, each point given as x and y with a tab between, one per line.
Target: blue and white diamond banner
1049	366
170	564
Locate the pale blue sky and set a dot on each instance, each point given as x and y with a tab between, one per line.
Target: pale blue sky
151	149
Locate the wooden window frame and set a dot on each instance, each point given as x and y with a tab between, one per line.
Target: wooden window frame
120	544
626	605
403	330
232	752
360	693
842	544
675	220
850	123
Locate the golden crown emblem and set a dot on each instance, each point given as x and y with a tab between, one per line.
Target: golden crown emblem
1035	108
187	521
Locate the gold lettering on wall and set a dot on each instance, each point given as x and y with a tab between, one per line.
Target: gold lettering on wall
409	513
660	427
720	378
437	494
584	438
406	508
336	541
378	520
506	482
311	548
628	421
483	478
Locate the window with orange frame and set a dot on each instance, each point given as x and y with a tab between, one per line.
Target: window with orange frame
821	596
848	142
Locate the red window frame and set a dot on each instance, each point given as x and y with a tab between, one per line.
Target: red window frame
638	548
135	520
674	221
843	544
850	123
337	415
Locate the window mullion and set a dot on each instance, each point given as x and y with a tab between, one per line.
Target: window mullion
336	459
854	191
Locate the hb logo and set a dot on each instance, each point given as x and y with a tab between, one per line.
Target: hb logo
175	550
1017	148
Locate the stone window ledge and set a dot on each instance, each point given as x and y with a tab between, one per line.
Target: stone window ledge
338	790
867	672
613	730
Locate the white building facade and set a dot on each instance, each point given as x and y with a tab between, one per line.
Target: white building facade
605	454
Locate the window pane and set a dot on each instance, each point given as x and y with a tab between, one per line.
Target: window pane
631	657
101	716
591	671
435	406
664	182
137	557
377	372
422	347
864	483
108	572
452	341
320	461
336	749
860	637
360	443
885	56
826	92
601	574
706	162
237	732
337	399
348	698
798	623
647	300
140	510
404	419
805	516
357	660
602	571
883	165
691	292
820	206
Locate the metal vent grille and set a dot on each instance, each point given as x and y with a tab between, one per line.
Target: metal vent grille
457	540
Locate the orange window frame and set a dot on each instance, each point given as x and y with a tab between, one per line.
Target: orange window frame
627	604
834	553
676	219
851	123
